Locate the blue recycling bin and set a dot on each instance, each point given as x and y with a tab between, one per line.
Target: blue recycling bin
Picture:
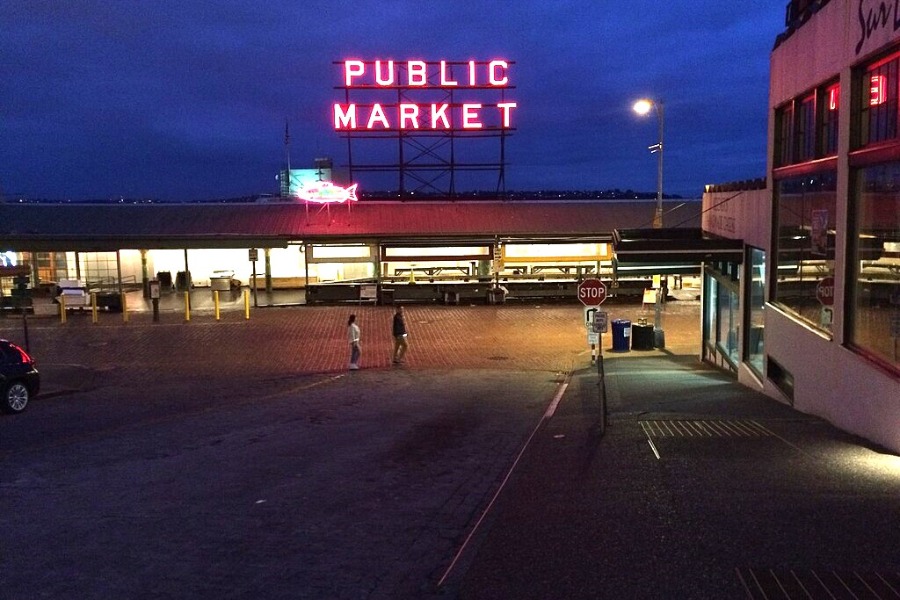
621	332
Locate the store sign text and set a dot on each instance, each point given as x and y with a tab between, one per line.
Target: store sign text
877	90
881	15
418	74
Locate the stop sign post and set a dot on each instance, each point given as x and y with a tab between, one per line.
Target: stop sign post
825	296
592	292
825	291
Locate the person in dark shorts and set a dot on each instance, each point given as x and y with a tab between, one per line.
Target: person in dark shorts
401	335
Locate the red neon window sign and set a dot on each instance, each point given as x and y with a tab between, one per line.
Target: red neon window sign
834	96
877	90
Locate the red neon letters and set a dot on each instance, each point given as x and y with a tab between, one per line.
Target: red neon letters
419	73
834	96
413	116
877	90
424	75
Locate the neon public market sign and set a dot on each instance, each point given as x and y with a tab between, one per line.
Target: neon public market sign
413	75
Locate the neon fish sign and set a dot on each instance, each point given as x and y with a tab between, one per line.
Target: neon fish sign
327	193
422	75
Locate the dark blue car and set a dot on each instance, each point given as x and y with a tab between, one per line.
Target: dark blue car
19	380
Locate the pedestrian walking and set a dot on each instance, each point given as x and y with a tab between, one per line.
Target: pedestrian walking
353	337
401	335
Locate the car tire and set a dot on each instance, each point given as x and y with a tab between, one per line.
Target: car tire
15	397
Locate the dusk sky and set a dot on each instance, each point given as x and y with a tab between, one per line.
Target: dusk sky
187	100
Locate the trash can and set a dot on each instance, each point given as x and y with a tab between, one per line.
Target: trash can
621	330
642	336
165	280
183	281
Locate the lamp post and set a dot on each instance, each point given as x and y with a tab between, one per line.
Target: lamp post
642	107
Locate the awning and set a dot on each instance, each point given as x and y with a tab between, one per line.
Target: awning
680	249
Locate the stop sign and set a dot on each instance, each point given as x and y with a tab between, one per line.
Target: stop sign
825	291
592	292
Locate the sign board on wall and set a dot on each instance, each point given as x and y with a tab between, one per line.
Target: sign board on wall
463	114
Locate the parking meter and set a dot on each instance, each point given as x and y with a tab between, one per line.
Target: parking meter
154	298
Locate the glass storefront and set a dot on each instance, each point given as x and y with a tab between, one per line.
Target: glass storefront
722	326
710	310
803	256
756	298
874	296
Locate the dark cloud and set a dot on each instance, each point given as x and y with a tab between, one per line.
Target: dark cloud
188	100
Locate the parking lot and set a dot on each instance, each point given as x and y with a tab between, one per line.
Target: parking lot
240	459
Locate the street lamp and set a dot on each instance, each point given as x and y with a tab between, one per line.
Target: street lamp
642	107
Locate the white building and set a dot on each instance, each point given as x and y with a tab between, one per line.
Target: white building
812	315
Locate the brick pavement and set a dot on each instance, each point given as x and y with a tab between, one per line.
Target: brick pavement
288	341
582	518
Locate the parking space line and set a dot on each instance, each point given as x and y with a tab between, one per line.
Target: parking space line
547	415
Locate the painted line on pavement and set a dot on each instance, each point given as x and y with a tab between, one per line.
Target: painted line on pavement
559	394
304	387
547	415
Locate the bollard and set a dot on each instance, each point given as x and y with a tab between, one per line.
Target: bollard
124	309
216	302
94	312
155	302
187	306
62	308
246	304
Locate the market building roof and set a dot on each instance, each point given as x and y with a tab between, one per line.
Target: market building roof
106	227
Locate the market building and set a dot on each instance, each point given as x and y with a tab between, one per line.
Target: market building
384	251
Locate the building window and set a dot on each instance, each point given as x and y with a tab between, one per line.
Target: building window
806	129
874	299
754	352
878	108
710	311
728	325
803	254
97	269
831	108
784	139
51	266
722	326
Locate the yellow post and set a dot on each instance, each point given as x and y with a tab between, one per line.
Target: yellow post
216	302
62	308
246	304
124	309
187	306
94	317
